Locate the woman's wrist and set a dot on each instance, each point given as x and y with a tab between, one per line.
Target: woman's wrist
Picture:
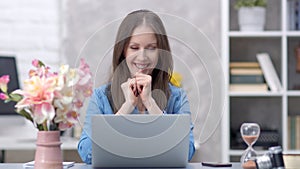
152	107
126	108
149	103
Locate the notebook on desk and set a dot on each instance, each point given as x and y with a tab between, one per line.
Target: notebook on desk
140	140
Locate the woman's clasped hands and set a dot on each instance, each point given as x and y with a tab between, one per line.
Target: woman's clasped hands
137	89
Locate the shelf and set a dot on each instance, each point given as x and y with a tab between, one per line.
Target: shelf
240	152
236	152
255	94
293	33
255	34
291	152
293	93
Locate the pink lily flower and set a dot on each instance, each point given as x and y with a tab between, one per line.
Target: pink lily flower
3	96
42	112
35	63
3	83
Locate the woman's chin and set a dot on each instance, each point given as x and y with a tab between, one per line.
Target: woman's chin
144	71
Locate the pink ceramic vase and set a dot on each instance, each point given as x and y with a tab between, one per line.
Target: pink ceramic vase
48	153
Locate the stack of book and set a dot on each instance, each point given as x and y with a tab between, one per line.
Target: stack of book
294	14
247	76
294	132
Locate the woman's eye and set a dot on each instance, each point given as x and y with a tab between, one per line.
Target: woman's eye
151	48
134	47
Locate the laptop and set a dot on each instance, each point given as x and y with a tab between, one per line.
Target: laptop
140	140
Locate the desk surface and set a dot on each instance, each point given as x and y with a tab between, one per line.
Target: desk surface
84	166
24	138
13	143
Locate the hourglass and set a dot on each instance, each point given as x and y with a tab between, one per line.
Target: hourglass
250	133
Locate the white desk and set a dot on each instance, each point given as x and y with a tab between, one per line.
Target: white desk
84	166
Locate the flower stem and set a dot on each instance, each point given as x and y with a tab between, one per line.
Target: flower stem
45	125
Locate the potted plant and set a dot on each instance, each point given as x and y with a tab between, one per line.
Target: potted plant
251	14
51	101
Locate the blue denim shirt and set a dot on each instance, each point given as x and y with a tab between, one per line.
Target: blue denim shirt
99	104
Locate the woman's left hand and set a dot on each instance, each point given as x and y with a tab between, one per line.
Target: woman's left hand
143	84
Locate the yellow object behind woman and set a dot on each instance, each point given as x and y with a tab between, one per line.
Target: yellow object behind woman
176	79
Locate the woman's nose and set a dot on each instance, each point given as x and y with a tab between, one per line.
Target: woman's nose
142	53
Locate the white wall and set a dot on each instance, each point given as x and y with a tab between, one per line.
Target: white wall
30	29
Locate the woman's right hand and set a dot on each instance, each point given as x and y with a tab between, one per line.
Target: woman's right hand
129	89
131	99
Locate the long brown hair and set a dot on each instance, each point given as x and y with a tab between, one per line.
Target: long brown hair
162	72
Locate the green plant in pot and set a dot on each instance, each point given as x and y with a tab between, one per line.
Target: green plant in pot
250	3
251	14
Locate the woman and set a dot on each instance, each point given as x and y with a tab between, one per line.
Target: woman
142	63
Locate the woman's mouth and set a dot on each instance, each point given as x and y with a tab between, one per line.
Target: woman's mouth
141	66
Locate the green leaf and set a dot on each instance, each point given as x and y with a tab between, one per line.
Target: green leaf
250	3
15	97
40	127
26	115
45	127
41	64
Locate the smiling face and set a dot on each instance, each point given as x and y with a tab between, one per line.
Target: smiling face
141	53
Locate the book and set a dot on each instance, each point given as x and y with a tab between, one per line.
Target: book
289	132
245	71
292	17
248	87
246	79
269	71
296	14
244	65
296	11
291	161
293	132
297	132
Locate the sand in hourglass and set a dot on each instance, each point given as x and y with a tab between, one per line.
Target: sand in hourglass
250	139
249	165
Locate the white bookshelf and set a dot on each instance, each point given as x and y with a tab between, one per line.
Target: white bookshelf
279	42
254	94
239	152
255	34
